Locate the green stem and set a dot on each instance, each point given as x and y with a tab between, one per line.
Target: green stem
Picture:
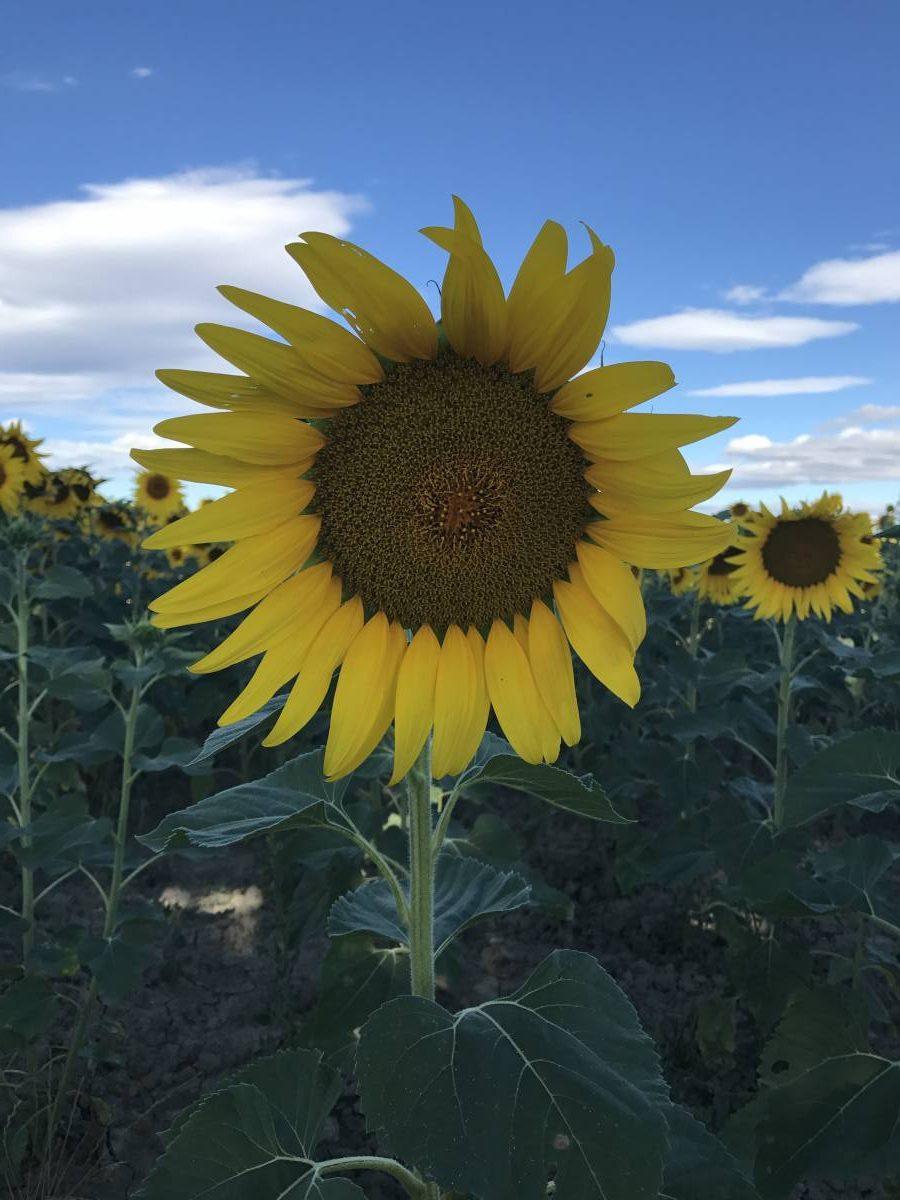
421	877
24	723
784	715
693	647
115	885
365	1162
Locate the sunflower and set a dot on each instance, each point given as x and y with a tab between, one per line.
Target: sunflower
413	500
715	578
24	450
809	559
180	556
682	580
159	495
114	521
12	480
65	493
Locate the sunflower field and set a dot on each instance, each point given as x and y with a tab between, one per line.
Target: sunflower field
450	808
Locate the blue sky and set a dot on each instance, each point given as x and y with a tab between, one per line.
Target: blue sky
741	159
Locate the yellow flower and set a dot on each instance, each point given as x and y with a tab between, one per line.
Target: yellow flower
437	513
716	577
115	522
809	559
179	556
682	580
65	493
159	495
12	480
24	449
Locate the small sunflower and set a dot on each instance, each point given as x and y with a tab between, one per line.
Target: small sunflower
159	495
12	480
24	449
715	578
180	556
114	521
66	493
682	580
436	511
809	559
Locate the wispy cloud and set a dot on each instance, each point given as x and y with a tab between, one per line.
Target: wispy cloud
25	81
720	331
873	413
810	385
100	290
744	293
849	281
142	72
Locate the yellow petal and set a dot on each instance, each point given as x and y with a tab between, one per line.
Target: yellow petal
567	321
264	560
325	346
236	393
513	693
597	640
664	541
543	266
454	700
277	367
473	307
238	515
470	739
285	653
322	659
381	306
211	611
288	606
615	589
548	727
199	466
267	441
607	391
383	699
415	701
639	435
661	483
551	665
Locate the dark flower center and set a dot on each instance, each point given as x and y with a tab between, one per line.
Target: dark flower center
721	565
450	495
157	487
802	553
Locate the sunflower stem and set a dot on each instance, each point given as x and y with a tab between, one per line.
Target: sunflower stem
693	649
786	656
421	877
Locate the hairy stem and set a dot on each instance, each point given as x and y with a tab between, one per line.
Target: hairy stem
421	881
784	716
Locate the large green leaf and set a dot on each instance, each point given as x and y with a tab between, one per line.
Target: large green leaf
116	965
698	1166
818	1023
464	891
61	583
497	764
227	735
293	794
828	1120
856	874
27	1007
558	1078
861	768
255	1140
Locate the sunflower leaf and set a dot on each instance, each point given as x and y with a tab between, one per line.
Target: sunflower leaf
852	771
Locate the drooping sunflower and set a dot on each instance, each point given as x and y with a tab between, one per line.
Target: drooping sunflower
812	558
12	480
681	580
159	495
114	521
24	450
436	511
715	577
66	493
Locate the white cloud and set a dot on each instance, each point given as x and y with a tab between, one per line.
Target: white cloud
809	385
23	81
744	293
873	280
103	459
720	331
855	455
99	291
872	413
141	72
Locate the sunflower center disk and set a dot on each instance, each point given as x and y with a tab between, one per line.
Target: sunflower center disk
157	487
801	553
721	565
450	495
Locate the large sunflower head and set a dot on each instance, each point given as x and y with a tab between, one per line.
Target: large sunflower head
438	511
805	560
159	495
24	450
716	577
12	480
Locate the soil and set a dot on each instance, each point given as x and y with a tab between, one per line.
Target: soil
205	1006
